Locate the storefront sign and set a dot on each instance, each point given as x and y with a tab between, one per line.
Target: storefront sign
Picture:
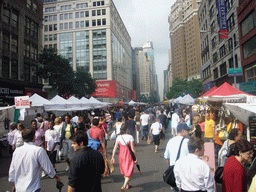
235	72
22	102
106	89
248	87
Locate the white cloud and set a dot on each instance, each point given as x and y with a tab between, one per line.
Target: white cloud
147	20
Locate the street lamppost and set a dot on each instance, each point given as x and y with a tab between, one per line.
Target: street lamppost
233	48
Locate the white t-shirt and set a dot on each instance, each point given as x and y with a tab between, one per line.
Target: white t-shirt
17	141
57	128
144	119
124	138
52	137
10	136
118	128
175	120
187	120
156	128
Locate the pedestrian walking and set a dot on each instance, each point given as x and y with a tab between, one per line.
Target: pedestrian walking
192	173
86	166
39	134
10	136
26	165
175	122
234	176
131	124
156	129
18	141
144	118
173	146
126	162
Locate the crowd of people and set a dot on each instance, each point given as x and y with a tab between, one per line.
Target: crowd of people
81	141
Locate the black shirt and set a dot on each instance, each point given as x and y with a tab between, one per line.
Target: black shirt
86	168
131	126
81	127
162	118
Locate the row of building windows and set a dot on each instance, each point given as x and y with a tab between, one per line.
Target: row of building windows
50	37
32	4
31	28
67	7
11	16
8	67
82	24
50	27
51	46
10	42
50	18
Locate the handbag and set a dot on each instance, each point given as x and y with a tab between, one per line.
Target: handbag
113	136
218	174
131	152
168	176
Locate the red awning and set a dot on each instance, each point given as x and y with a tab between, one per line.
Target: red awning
208	92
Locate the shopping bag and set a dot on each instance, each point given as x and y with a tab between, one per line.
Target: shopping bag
137	136
111	166
112	136
150	139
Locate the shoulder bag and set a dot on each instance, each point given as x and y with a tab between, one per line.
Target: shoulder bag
132	154
168	176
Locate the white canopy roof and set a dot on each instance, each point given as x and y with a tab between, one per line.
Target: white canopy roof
37	100
186	100
74	100
242	111
132	102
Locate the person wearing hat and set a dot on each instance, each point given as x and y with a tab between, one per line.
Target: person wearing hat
173	145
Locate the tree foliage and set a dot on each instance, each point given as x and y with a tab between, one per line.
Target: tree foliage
61	76
182	87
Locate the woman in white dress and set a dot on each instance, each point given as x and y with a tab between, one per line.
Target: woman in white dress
18	141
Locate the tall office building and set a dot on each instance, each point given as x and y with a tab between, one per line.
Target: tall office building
184	36
91	35
218	54
20	42
145	67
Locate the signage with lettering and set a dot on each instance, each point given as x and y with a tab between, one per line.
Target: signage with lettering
106	89
235	72
222	19
248	87
22	102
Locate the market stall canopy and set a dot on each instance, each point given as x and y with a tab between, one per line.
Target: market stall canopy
37	100
98	104
177	100
208	92
74	100
132	102
226	92
186	100
242	111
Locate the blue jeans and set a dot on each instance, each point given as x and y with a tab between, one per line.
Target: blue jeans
145	131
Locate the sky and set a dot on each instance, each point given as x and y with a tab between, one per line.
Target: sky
147	20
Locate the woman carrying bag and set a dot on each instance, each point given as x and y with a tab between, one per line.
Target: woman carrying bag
126	161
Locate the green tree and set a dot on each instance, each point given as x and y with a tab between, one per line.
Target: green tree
182	87
83	83
58	70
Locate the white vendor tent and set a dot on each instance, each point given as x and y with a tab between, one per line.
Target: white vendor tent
132	102
186	100
37	100
242	111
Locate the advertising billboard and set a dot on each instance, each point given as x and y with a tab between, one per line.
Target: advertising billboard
108	88
222	19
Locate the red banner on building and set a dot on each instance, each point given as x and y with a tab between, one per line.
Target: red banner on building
107	88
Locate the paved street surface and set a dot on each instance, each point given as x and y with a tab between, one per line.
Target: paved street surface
152	166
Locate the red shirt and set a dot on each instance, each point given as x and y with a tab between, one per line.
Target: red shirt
234	176
97	134
105	127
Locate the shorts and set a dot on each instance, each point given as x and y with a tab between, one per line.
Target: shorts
52	156
156	139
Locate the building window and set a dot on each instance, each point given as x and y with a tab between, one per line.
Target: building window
250	72
65	46
82	50
50	37
81	14
213	27
249	47
93	22
50	27
103	21
211	12
50	9
6	41
248	23
27	49
55	37
65	7
223	69
82	24
55	17
34	6
46	28
93	13
46	19
81	5
77	24
46	38
61	26
26	71
6	15
71	25
102	3
14	44
87	14
222	51
94	4
77	14
229	4
99	22
61	17
98	12
55	27
231	22
27	26
55	46
70	15
66	16
29	4
66	26
14	18
14	69
87	23
103	11
215	73
5	67
215	57
213	42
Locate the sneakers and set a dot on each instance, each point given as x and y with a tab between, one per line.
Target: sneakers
67	169
43	174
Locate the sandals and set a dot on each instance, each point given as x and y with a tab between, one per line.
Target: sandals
129	187
122	189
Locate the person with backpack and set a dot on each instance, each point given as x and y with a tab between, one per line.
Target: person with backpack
96	138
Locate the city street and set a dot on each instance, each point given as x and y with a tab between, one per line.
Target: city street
152	166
